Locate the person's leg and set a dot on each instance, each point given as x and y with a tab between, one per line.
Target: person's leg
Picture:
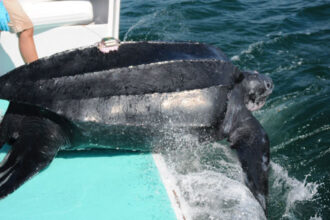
27	46
21	24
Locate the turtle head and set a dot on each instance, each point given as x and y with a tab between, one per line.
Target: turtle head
257	88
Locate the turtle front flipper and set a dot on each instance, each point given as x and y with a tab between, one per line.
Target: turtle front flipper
245	133
251	142
34	144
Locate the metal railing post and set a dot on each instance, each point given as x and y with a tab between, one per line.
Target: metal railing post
113	18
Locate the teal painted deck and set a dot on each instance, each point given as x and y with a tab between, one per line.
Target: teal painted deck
91	185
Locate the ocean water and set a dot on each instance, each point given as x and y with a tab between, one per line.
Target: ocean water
286	40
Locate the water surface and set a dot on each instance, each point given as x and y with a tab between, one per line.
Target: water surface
287	40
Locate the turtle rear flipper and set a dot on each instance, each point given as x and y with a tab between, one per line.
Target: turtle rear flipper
33	147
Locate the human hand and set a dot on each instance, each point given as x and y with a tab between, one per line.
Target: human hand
4	18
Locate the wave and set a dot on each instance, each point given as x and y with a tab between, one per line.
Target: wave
316	11
301	137
275	47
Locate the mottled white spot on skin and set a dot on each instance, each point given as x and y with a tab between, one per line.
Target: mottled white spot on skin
90	118
264	163
15	135
178	61
253	84
158	42
116	109
185	101
252	106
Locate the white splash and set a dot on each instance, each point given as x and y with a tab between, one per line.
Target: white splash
297	191
212	195
210	180
235	58
315	218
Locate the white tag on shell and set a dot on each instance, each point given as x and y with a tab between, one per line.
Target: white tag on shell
108	44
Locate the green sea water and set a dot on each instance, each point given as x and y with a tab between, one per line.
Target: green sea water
286	40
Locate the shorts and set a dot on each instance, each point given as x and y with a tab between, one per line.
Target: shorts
19	21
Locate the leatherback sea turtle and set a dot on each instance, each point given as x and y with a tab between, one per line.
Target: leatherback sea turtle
127	99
